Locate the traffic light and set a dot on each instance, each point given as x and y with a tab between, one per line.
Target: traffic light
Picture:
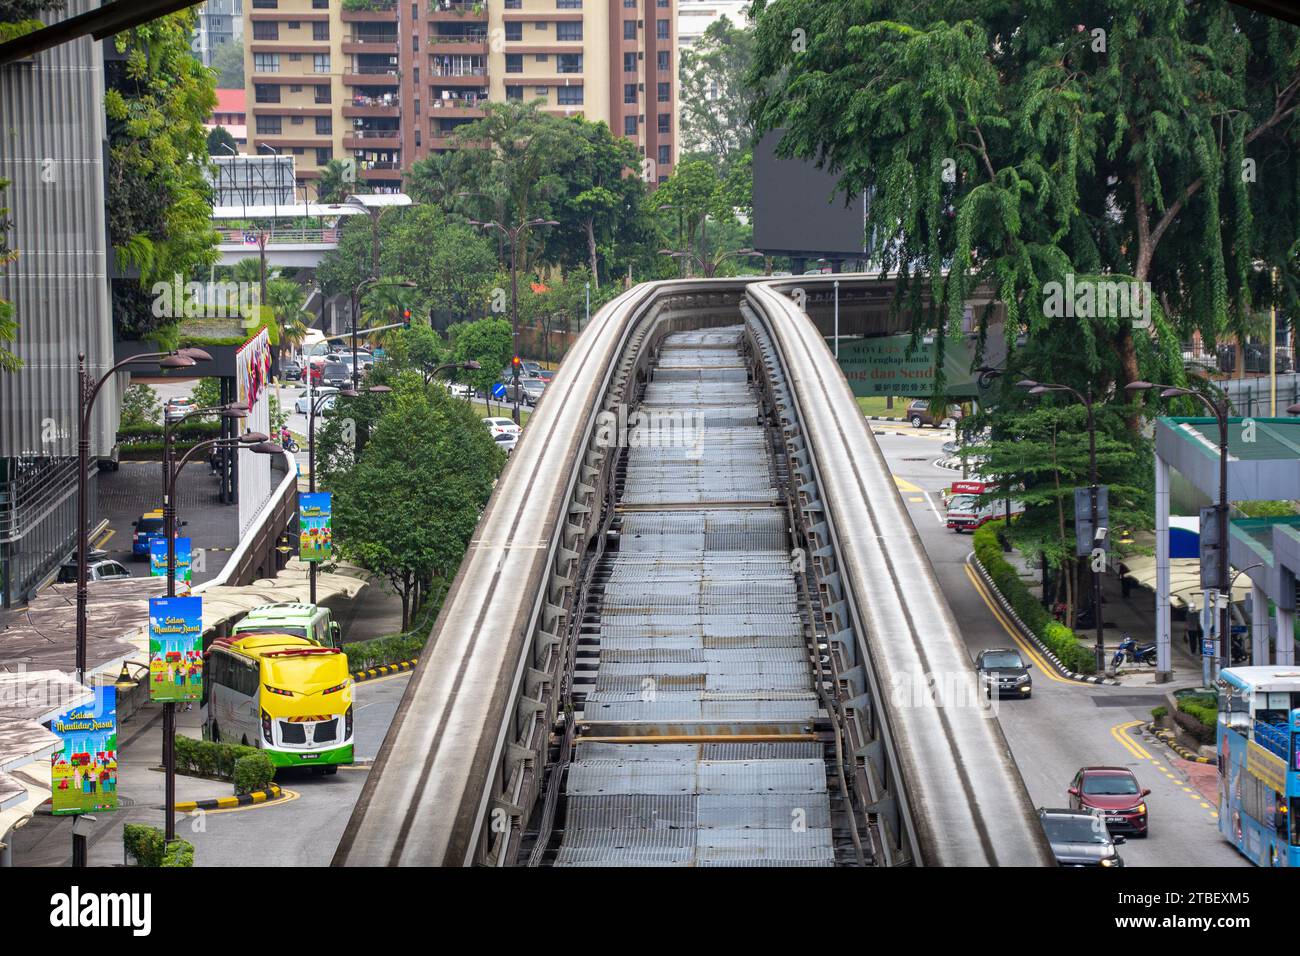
406	318
515	365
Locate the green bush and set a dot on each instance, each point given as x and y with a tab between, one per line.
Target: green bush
1055	635
146	434
253	772
204	758
1159	713
1207	713
395	648
145	844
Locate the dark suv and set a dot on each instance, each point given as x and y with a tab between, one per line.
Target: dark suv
1080	838
919	413
1004	669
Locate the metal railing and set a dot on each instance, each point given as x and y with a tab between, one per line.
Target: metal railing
249	237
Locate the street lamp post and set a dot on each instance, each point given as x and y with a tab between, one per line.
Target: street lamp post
87	392
708	268
258	443
513	235
1042	388
1220	411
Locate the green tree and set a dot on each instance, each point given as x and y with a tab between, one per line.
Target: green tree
9	362
1009	145
159	204
486	341
228	61
287	302
140	406
218	139
715	98
696	195
407	509
338	181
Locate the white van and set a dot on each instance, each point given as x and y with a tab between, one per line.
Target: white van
966	514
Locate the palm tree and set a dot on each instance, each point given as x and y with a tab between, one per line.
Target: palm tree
337	182
287	300
384	304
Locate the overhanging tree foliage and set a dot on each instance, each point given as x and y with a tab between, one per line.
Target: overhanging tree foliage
1011	144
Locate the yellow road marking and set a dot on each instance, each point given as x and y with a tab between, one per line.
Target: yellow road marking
1047	670
1120	733
104	540
905	485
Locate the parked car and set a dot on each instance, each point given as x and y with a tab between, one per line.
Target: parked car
919	413
291	370
301	407
546	374
501	426
1080	838
506	442
68	569
1003	669
336	374
178	408
1115	793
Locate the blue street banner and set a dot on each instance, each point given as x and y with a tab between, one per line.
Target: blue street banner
175	649
314	534
158	558
83	774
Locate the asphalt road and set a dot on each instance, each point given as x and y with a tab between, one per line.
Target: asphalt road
303	829
1065	725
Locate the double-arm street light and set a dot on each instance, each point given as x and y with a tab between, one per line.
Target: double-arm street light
254	441
316	405
513	235
88	390
1221	410
709	267
1086	398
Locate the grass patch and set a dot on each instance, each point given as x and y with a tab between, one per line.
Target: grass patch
876	405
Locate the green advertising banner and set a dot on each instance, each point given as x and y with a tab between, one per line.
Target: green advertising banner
883	366
315	540
175	649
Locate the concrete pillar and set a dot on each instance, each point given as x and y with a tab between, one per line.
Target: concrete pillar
1164	666
1258	625
1285	636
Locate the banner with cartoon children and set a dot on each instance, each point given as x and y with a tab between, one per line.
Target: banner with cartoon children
83	775
158	561
175	649
314	535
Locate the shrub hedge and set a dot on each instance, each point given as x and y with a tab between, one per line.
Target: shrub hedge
253	772
204	758
394	648
1058	638
145	844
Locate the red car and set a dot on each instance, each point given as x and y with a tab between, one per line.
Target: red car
1114	792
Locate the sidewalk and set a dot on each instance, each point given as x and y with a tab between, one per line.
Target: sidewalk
1134	615
47	840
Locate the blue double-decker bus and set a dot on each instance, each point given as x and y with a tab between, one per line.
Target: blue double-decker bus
1259	767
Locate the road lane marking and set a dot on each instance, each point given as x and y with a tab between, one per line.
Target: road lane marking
1011	630
930	501
104	540
1120	733
905	485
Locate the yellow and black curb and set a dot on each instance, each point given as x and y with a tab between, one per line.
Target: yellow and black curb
384	671
226	803
1171	741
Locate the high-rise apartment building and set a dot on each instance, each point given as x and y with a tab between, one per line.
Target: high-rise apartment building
388	85
220	22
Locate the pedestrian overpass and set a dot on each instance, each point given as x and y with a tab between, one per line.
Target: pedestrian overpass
288	242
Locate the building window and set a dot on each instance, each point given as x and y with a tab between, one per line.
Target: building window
295	121
569	31
665	122
663	65
324	154
298	150
629	125
662	3
629	29
665	154
295	24
542	91
514	31
320	4
320	62
540	58
324	125
514	92
263	30
295	57
266	93
514	4
629	4
266	63
568	4
320	31
568	95
322	94
661	29
629	62
514	63
665	92
265	4
629	92
568	63
268	125
295	87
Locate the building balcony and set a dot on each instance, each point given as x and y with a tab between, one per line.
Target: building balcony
355	109
387	13
387	46
472	77
372	76
477	46
454	11
457	108
372	139
385	171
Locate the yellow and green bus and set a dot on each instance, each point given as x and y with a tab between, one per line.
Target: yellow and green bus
284	694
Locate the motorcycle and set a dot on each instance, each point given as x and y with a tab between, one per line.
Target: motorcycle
1133	652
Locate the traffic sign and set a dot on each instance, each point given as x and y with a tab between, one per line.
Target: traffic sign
498	390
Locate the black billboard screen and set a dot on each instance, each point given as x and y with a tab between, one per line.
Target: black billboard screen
798	210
